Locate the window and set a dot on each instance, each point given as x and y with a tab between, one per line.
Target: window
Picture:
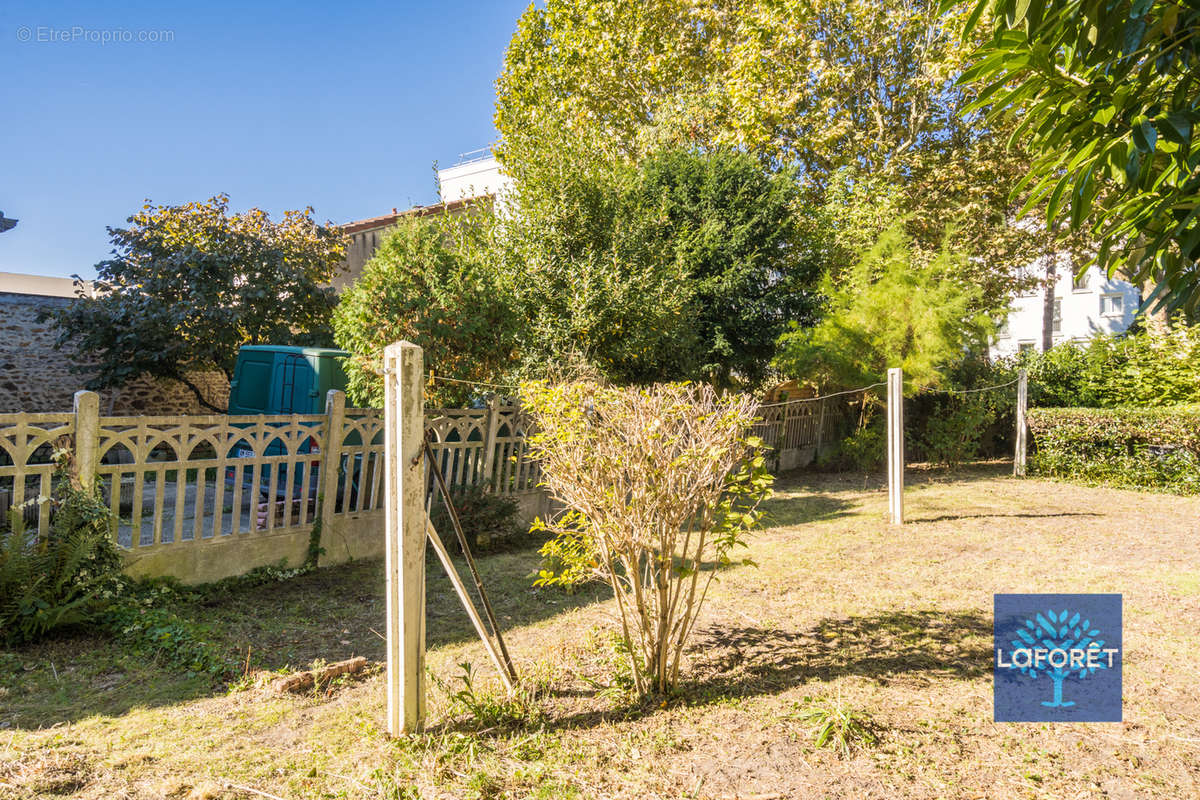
1081	283
1027	347
1057	320
1112	305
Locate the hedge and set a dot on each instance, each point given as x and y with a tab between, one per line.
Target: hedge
1141	448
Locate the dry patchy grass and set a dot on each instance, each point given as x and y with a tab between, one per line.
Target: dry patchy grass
845	618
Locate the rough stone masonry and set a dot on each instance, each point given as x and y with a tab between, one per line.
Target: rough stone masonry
36	378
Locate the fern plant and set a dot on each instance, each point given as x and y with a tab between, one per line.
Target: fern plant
64	577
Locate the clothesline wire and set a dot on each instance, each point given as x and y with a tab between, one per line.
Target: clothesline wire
822	397
434	377
969	391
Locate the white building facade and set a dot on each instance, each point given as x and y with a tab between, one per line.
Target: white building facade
476	174
1083	308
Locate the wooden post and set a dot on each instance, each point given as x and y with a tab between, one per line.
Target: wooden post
1022	430
87	439
895	445
489	441
331	456
405	552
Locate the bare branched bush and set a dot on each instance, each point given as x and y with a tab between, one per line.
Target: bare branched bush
659	486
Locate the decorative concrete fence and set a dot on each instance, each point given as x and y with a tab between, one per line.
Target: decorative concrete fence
793	430
206	497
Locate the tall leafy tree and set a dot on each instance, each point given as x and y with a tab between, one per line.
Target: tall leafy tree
687	265
842	90
891	312
188	285
1107	97
597	286
436	281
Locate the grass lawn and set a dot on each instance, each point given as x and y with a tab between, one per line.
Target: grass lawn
843	613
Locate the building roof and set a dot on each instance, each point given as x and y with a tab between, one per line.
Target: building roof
388	220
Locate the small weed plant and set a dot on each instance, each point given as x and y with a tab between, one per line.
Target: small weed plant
486	708
836	726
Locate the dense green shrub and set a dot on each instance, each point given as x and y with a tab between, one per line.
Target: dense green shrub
1146	448
63	578
1145	367
954	429
433	281
861	451
489	520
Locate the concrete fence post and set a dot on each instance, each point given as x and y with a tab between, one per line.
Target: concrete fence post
489	439
895	445
87	438
820	428
331	456
405	517
1022	428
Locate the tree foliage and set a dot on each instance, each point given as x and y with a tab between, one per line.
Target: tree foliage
1150	366
436	281
658	486
685	266
596	287
188	285
857	93
888	312
1107	96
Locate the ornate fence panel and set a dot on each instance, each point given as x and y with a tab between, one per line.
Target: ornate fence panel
203	497
793	431
483	447
27	443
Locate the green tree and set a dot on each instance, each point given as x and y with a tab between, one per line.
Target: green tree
438	282
598	287
890	312
687	266
188	285
1107	96
860	93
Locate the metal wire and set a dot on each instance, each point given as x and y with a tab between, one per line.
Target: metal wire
971	391
822	397
434	377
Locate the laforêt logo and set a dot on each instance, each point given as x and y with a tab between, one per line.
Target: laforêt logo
1058	658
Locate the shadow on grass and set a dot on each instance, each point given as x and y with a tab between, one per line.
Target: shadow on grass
331	614
789	511
810	480
742	662
951	517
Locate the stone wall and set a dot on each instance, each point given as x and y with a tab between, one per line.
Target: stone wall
36	378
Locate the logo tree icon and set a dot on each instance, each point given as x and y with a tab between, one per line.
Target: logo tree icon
1055	632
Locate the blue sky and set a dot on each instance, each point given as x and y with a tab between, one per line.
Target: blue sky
341	106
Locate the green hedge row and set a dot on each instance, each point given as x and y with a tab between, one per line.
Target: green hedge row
1142	448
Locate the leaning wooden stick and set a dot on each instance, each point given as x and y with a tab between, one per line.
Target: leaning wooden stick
436	468
461	590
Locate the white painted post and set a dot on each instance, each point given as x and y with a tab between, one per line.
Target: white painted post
405	553
87	439
895	445
1022	430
